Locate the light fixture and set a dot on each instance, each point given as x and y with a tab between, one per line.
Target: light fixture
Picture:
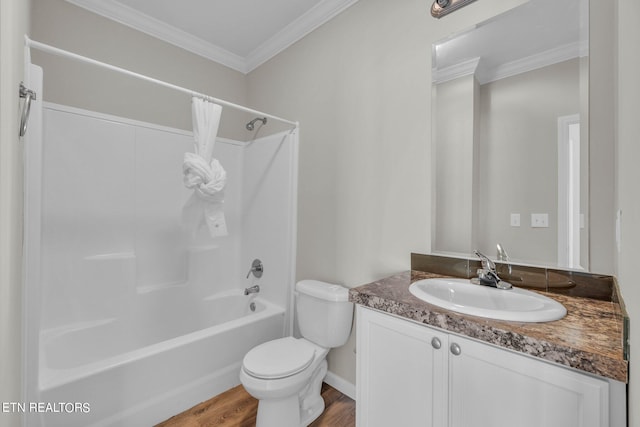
442	7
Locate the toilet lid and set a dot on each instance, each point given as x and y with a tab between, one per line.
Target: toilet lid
278	358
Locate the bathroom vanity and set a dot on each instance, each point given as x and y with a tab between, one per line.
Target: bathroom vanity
421	365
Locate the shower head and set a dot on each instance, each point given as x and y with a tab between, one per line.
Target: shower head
251	124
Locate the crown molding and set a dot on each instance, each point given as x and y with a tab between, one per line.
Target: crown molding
552	56
315	17
484	75
321	13
461	69
130	17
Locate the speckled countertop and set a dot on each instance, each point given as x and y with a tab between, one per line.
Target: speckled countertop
588	338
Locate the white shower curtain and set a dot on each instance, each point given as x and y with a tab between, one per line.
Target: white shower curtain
204	174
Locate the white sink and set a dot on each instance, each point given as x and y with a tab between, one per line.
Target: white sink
462	296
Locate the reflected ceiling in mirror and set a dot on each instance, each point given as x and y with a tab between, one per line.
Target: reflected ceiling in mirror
510	131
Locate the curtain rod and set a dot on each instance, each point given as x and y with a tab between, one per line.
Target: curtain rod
60	52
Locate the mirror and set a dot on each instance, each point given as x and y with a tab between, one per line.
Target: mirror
510	137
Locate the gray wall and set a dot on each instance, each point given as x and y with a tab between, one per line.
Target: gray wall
68	27
628	176
602	64
454	146
496	151
360	86
14	23
519	158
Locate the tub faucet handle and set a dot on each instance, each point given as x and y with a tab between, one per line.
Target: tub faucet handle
256	268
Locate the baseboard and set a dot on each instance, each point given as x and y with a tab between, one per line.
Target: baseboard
340	384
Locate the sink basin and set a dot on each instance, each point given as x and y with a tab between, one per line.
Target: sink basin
462	296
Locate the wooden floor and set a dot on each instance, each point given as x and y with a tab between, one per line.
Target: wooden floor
236	408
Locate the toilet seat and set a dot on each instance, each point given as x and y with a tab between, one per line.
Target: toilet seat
279	358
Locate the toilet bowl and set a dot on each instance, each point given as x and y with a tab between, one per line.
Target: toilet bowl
282	390
286	374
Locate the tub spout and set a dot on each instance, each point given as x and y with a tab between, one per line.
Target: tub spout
252	290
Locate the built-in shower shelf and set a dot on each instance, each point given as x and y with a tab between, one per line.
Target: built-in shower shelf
116	256
203	248
160	286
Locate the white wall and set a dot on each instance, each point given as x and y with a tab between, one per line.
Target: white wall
14	23
628	131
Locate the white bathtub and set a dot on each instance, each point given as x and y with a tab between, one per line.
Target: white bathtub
141	375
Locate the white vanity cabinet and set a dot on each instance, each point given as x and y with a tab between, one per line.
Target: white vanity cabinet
401	372
489	386
414	375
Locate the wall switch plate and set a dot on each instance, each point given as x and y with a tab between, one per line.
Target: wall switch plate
539	220
515	220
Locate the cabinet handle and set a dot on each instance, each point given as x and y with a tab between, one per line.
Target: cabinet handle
455	349
435	342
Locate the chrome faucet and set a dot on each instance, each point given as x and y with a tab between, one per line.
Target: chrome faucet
252	290
487	275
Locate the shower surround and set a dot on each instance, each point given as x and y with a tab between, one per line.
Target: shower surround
128	313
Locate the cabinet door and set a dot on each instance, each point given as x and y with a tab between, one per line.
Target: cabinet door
401	373
493	387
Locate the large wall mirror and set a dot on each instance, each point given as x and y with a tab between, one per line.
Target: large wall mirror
510	128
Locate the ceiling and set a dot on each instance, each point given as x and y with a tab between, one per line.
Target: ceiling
241	34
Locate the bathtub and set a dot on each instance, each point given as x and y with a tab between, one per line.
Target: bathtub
114	374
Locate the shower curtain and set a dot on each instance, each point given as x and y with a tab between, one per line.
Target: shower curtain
204	174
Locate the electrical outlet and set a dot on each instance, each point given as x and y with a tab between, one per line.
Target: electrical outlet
539	220
515	220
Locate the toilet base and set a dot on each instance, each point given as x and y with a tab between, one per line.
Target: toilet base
311	401
279	412
308	416
298	410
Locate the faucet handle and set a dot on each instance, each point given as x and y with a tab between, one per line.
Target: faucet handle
487	264
256	268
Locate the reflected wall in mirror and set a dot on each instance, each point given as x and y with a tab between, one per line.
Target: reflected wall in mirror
510	129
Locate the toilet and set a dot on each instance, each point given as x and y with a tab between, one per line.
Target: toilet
286	374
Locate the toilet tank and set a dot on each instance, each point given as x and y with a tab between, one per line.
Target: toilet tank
324	312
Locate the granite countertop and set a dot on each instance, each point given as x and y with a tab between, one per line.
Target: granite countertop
588	338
